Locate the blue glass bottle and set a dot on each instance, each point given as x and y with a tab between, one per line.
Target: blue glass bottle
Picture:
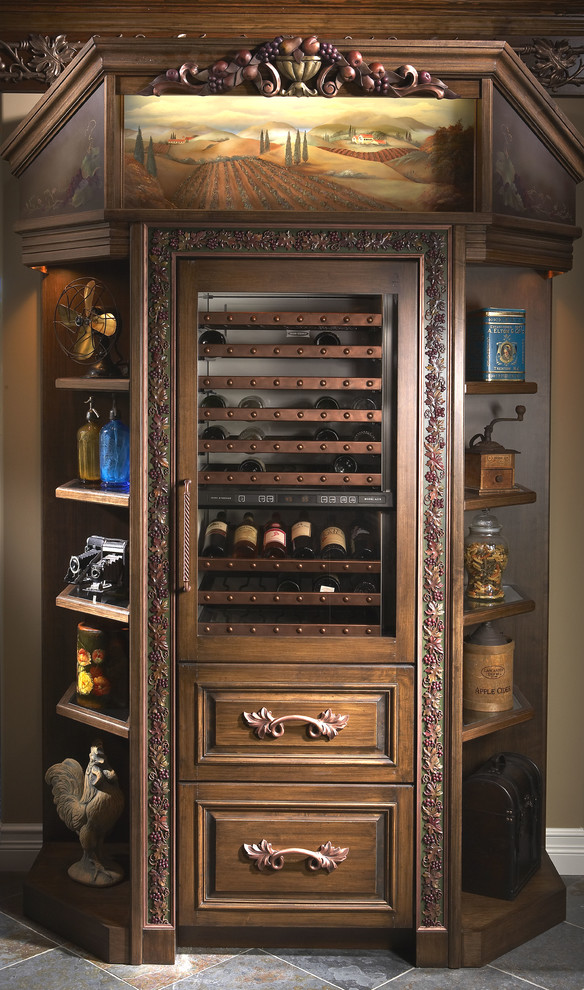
114	452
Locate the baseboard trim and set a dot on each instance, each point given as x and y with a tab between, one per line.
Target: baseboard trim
20	844
565	847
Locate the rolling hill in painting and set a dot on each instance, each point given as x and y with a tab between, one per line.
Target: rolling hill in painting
350	161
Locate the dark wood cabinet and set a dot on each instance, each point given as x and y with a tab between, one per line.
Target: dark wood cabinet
295	741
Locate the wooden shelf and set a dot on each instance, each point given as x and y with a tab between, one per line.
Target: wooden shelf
105	721
281	319
71	598
500	388
491	927
519	496
97	919
94	384
78	492
477	724
514	603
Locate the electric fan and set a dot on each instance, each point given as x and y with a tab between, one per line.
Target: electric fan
86	327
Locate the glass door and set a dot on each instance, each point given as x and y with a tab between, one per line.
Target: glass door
291	425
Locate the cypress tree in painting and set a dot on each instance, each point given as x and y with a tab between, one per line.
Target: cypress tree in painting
262	145
150	160
288	151
139	147
304	149
267	141
297	155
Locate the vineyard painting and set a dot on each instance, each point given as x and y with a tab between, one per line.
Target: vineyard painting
312	154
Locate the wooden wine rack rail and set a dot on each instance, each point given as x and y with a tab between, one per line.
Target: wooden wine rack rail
287	629
272	445
289	351
283	319
263	414
290	382
289	478
263	565
334	599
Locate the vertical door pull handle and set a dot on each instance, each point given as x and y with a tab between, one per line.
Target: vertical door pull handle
186	540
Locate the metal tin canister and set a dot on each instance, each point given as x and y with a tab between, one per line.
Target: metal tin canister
488	670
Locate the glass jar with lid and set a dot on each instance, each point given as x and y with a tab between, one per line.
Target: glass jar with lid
486	553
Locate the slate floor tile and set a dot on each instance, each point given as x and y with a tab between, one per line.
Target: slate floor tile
57	970
18	942
575	903
253	970
349	969
554	960
151	977
457	979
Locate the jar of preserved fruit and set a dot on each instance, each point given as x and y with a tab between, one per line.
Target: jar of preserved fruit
486	553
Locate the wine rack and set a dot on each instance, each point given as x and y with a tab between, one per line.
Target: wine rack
294	410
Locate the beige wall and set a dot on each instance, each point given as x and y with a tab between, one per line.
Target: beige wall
21	774
19	508
566	656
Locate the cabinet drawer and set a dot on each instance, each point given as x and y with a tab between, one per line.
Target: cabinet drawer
295	855
232	721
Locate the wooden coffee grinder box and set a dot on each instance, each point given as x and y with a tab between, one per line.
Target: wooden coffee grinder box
488	466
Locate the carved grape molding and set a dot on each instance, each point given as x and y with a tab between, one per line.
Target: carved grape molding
39	59
432	248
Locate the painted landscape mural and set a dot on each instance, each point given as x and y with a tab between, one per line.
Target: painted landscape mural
253	153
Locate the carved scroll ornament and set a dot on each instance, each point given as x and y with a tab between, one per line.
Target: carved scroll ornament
327	857
298	67
326	725
38	59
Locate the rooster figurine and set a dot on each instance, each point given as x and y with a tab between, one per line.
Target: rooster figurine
89	804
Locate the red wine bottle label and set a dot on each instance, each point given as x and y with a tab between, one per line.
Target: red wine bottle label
275	536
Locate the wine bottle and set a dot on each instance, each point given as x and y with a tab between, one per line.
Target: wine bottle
364	435
274	542
301	537
212	400
245	541
214	433
345	464
326	402
212	337
361	543
326	337
364	402
252	433
364	587
215	541
252	464
288	584
326	583
326	433
333	545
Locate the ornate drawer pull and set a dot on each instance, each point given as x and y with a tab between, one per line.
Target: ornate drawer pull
327	857
327	724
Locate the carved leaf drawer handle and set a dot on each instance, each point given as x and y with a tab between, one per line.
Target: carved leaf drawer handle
327	857
327	724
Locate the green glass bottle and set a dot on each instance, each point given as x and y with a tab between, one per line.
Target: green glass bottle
88	448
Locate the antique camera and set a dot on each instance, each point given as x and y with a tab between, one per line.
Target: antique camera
100	567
